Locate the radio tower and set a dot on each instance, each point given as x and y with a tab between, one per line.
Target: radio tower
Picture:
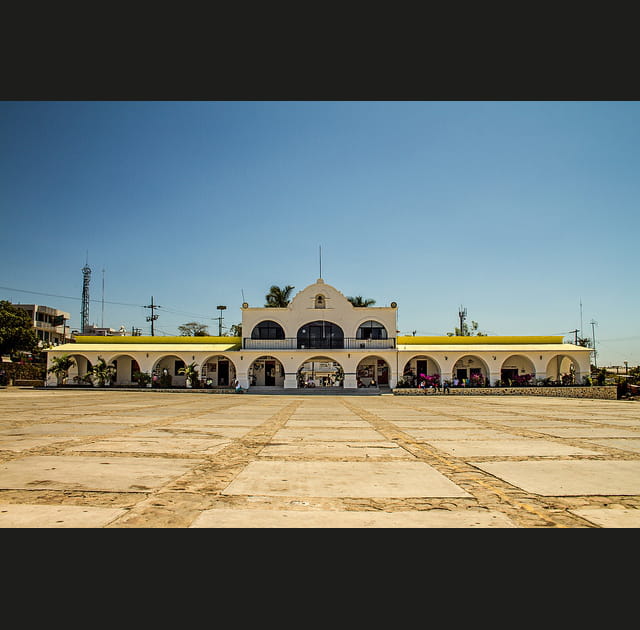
86	277
462	314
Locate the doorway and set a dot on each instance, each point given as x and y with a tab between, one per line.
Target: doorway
223	373
269	373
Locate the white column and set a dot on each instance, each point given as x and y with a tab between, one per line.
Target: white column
243	378
350	380
290	380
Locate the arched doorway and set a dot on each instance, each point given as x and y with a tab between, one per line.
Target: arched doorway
517	370
79	373
372	372
320	372
266	371
126	368
470	371
320	334
418	365
217	371
166	372
564	370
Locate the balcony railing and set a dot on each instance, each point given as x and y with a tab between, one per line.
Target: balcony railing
292	343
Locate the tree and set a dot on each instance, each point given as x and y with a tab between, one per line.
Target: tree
278	297
103	372
236	330
191	372
360	301
60	367
16	332
466	331
193	329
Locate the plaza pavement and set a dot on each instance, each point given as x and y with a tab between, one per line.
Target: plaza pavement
109	458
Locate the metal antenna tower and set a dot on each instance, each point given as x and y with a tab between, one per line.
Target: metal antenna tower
86	278
152	318
462	314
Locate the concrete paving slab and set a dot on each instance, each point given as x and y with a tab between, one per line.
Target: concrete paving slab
526	424
22	443
325	518
325	435
63	428
569	478
441	423
194	430
459	434
626	444
174	445
385	450
322	423
109	419
109	474
628	422
518	447
221	421
56	516
343	479
591	432
610	517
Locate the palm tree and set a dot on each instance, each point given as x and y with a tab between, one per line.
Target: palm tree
191	372
60	367
103	372
279	297
360	301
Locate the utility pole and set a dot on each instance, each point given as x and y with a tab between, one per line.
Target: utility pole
575	335
593	332
152	318
220	308
102	321
462	314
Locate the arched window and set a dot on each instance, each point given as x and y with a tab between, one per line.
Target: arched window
320	335
371	330
267	330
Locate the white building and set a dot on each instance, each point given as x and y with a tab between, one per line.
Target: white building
320	339
49	323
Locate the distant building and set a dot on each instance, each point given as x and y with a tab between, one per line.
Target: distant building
95	331
49	323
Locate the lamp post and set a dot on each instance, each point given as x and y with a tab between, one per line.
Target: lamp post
220	308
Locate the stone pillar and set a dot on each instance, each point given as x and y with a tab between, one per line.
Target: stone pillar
494	376
445	375
290	380
243	378
350	380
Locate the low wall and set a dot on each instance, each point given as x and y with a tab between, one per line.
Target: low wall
606	392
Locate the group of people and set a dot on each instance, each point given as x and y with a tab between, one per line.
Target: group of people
323	381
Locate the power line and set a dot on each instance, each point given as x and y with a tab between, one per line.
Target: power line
67	297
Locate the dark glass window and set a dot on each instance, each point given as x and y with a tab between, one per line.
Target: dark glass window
371	330
320	335
267	330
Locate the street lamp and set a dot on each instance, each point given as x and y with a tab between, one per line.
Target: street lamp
220	308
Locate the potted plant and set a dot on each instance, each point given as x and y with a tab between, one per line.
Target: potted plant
61	367
142	378
191	372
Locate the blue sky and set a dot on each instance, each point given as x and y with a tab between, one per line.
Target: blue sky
516	210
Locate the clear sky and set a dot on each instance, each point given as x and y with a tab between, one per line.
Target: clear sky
516	210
